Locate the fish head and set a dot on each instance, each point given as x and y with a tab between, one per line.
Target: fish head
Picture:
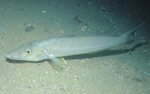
27	52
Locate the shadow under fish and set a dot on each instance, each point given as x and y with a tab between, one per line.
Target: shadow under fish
55	49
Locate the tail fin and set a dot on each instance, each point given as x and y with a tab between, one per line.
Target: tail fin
125	35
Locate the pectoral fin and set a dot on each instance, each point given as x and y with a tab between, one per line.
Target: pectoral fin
57	62
63	60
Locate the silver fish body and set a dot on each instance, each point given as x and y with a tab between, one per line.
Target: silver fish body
54	48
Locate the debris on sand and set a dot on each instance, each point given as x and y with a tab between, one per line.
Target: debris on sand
29	27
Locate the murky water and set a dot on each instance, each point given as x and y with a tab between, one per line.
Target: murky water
98	73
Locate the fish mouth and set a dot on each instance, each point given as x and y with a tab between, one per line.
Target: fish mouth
8	56
11	56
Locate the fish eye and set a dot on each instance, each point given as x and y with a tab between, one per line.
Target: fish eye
28	51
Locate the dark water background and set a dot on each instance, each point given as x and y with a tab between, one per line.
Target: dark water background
102	73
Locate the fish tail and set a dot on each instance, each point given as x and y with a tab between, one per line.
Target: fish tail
125	35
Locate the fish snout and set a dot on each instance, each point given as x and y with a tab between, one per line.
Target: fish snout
9	56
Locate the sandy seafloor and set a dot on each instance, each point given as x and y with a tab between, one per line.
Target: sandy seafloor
24	20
